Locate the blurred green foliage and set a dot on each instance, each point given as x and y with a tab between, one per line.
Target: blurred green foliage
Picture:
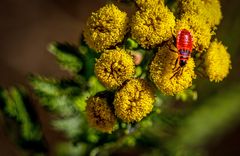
20	120
67	56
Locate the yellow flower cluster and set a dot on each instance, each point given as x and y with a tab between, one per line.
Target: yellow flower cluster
152	26
134	100
217	62
114	67
105	28
100	114
163	74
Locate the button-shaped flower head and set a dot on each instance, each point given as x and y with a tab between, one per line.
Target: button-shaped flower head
209	10
100	113
164	76
114	67
217	62
152	26
134	100
105	28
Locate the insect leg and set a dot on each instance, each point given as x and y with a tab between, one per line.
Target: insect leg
176	69
176	72
173	75
181	71
176	62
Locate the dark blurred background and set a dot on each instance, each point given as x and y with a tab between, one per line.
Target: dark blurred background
27	27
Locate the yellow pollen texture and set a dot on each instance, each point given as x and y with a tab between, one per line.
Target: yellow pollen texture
134	100
100	115
114	67
163	74
105	28
152	26
217	62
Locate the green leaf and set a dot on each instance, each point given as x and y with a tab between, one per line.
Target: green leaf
15	106
67	56
44	86
71	125
58	96
89	59
51	87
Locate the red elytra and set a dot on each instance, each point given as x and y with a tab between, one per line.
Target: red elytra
184	40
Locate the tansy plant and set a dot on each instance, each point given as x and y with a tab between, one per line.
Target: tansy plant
151	33
126	66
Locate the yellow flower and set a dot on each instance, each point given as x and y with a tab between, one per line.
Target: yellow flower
134	100
146	4
217	62
100	114
152	26
105	28
197	26
114	67
162	72
209	10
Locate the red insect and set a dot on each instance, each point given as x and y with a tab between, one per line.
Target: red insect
184	46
